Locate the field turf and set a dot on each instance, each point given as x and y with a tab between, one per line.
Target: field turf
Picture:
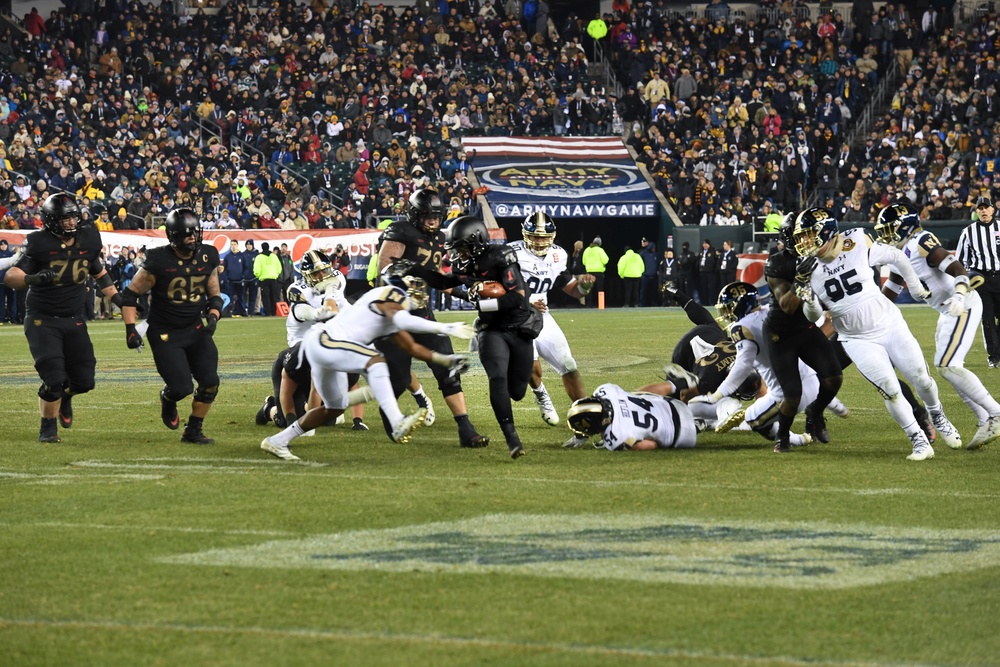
124	546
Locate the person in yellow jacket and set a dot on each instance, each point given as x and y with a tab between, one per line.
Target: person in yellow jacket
372	274
595	260
630	268
267	270
597	28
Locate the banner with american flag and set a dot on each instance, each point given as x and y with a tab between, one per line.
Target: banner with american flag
566	177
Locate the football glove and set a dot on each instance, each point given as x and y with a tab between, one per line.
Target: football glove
955	304
459	364
211	321
461	330
132	337
919	292
43	277
804	268
323	314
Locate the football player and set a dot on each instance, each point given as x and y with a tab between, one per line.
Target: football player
54	266
836	276
739	306
345	344
507	324
316	297
184	284
791	339
639	421
419	240
544	267
960	309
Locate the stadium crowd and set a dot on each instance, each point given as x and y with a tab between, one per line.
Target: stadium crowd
327	115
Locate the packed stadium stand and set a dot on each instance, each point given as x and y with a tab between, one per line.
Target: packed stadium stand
326	115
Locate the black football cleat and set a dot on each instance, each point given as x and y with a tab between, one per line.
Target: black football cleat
49	432
196	437
168	412
782	445
816	427
66	411
264	414
516	450
476	441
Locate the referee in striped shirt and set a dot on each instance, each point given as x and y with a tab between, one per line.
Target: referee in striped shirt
979	251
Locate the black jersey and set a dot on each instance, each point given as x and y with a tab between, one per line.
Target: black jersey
424	251
72	264
781	265
180	291
499	264
716	354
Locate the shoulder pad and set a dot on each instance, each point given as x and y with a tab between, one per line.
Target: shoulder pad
296	294
401	231
927	243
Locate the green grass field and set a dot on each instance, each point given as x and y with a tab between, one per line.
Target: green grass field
123	546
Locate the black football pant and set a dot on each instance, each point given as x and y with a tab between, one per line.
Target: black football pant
181	354
507	358
811	346
989	291
63	352
269	296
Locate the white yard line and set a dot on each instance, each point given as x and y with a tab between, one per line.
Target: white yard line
158	529
460	642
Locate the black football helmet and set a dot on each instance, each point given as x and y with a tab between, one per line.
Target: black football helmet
316	269
539	233
183	230
897	223
396	275
426	211
748	390
61	215
736	300
814	228
589	416
786	232
466	239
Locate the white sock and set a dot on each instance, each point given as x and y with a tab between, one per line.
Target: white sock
378	380
286	436
902	412
419	391
540	391
359	395
971	389
796	439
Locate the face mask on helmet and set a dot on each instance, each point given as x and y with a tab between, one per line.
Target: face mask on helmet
61	215
786	232
814	228
735	301
415	288
316	268
426	211
896	224
539	233
465	240
183	230
589	416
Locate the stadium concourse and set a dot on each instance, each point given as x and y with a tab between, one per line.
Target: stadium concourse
296	116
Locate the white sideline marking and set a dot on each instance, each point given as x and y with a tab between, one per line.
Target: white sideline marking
287	467
72	478
462	642
159	529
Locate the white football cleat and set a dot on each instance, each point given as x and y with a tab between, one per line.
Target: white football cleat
549	414
986	433
677	374
281	451
575	442
946	431
838	408
922	449
402	430
424	401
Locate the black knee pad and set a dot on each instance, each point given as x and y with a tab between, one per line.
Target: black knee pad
176	394
77	389
206	394
51	393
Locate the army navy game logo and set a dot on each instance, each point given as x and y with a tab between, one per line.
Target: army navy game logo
652	549
564	177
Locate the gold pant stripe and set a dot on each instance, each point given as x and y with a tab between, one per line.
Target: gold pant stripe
331	344
767	416
956	338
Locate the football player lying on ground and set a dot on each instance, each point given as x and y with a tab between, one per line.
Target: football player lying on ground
345	344
640	420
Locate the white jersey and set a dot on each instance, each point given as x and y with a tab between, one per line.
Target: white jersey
542	273
751	352
941	285
664	420
846	286
302	301
362	322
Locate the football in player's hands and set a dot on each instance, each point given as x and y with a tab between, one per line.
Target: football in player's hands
490	289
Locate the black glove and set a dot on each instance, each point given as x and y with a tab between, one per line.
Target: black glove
132	337
117	299
211	321
43	277
804	268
